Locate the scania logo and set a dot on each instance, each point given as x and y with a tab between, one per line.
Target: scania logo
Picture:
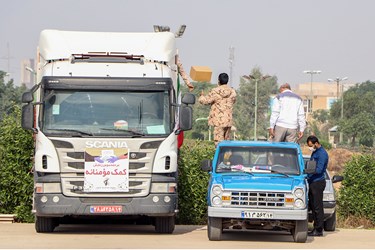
106	144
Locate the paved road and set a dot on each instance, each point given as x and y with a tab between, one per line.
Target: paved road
131	236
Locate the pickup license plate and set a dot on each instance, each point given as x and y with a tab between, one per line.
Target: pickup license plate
106	209
256	215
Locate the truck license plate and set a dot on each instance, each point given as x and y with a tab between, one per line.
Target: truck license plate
256	215
106	209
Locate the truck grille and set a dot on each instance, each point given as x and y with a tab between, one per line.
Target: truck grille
257	199
72	164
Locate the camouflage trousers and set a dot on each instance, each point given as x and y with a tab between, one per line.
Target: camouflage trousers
221	133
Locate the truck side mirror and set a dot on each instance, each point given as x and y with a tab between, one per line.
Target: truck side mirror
206	165
188	98
186	117
310	167
28	116
337	178
27	97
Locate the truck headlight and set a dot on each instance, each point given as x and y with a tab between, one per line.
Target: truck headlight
216	200
299	203
216	190
299	193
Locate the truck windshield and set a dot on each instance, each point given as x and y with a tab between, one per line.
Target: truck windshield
94	113
258	160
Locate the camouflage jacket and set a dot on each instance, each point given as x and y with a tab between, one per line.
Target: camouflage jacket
221	99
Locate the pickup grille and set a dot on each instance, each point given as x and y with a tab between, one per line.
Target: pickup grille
257	199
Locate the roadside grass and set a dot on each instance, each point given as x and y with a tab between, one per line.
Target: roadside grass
354	222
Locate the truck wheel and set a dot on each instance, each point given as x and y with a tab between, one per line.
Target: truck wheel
214	228
330	224
300	231
45	224
164	225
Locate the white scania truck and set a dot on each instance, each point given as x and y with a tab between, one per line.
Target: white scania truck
106	116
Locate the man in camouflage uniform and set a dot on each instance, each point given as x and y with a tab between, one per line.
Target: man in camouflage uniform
221	100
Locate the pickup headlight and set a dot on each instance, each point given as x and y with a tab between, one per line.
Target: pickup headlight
216	200
216	190
299	192
299	203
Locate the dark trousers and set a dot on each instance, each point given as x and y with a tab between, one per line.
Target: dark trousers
316	203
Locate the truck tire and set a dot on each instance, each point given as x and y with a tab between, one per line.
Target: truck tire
214	228
330	224
165	225
45	224
300	231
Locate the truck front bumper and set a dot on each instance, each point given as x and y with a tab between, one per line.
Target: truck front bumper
277	214
58	205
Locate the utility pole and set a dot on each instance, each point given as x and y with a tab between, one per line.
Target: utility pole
338	80
256	100
231	65
310	102
7	58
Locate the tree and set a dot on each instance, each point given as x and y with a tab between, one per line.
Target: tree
16	180
10	95
358	112
245	105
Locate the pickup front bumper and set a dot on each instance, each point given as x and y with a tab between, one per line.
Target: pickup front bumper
277	214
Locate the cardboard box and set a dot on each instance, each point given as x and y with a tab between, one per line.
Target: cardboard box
201	73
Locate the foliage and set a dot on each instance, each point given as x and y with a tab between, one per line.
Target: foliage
16	181
358	113
361	125
193	182
356	196
9	95
325	144
245	105
321	115
200	127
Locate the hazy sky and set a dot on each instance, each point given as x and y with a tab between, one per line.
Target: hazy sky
282	37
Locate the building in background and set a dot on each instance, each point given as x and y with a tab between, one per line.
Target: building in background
27	77
323	94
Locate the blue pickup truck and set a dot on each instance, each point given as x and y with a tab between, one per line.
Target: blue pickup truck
258	185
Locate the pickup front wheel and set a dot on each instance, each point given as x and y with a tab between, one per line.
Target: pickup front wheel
300	231
214	228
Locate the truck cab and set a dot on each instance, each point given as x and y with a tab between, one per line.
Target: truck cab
258	185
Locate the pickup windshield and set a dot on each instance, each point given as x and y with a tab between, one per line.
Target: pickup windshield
109	113
258	160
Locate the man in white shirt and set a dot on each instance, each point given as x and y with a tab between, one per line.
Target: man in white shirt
287	121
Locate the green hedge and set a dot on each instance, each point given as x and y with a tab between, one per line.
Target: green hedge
193	182
356	196
16	181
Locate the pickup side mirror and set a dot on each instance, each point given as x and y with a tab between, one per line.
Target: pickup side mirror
310	167
28	116
188	98
337	178
206	165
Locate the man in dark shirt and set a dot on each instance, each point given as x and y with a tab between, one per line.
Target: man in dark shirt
317	183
